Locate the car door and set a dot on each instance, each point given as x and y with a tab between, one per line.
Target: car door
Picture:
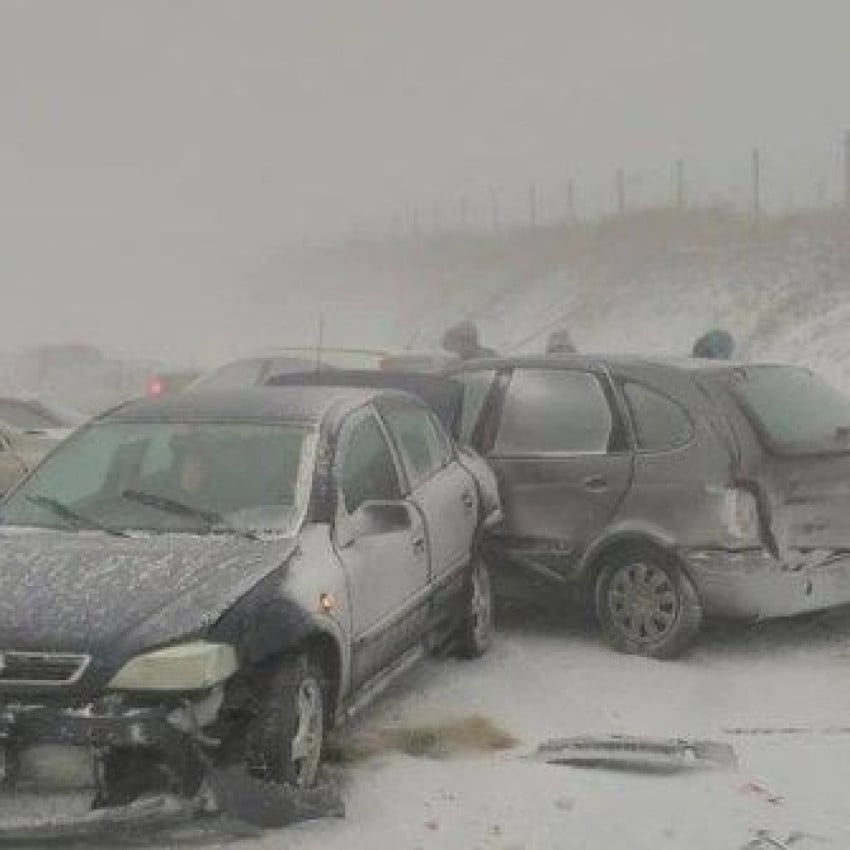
443	490
12	467
560	450
380	538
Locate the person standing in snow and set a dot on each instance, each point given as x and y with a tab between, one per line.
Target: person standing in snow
716	344
462	339
560	342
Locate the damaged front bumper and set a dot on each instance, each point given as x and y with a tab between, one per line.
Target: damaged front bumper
170	728
754	584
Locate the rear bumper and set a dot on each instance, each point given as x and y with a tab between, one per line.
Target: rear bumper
753	584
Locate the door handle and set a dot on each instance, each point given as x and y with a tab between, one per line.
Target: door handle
468	501
419	545
596	483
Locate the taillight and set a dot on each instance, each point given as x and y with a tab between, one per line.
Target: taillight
741	515
156	386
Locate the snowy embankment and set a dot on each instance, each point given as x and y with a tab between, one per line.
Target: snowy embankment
784	292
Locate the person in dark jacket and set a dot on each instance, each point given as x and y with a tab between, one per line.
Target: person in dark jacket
462	339
716	344
560	342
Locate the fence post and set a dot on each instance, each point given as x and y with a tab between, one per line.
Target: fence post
494	210
680	185
847	171
621	192
756	184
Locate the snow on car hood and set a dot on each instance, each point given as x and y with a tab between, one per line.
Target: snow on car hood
112	597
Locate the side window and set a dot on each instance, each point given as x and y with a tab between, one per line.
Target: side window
476	385
367	472
660	423
554	411
420	444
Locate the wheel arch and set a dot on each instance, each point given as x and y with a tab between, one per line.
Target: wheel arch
622	539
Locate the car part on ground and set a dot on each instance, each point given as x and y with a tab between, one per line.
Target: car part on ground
637	754
252	558
230	801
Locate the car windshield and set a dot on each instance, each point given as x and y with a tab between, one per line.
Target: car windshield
795	409
170	477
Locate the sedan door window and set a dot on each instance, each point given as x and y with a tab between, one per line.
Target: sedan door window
554	411
368	472
423	450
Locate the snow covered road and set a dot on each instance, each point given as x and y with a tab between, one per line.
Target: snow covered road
785	684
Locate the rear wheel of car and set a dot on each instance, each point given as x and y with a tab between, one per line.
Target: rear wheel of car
646	605
476	631
285	738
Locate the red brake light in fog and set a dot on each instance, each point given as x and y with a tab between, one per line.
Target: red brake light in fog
156	386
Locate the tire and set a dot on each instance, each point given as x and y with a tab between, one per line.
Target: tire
476	631
284	739
646	605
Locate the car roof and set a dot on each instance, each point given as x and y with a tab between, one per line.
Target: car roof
309	405
601	361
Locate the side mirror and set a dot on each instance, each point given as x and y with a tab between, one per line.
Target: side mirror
373	518
383	517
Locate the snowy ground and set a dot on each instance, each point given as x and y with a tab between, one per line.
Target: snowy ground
554	680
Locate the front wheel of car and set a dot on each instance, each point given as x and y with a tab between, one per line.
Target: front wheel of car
647	605
476	631
285	738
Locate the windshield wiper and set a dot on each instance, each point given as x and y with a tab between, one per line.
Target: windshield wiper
62	510
212	519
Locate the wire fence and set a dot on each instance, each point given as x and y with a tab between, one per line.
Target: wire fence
755	182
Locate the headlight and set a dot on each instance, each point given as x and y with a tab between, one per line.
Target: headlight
185	667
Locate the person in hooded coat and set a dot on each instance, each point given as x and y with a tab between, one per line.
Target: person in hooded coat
462	339
560	342
716	344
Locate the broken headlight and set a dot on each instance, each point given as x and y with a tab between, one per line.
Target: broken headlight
185	667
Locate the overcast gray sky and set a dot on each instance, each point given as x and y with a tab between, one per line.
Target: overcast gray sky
154	153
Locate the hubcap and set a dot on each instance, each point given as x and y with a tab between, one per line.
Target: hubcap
643	602
481	605
306	747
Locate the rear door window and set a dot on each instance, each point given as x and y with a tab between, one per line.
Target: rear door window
554	411
661	424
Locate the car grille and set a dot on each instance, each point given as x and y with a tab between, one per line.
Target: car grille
41	668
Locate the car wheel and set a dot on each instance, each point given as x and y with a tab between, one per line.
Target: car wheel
476	631
646	605
285	738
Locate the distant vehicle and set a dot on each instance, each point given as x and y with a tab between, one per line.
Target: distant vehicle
256	371
167	382
242	566
662	491
31	428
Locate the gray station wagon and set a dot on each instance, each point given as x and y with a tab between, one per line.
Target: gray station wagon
664	491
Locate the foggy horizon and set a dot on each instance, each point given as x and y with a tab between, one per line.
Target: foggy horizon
156	156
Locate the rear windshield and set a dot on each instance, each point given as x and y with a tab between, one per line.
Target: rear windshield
794	409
